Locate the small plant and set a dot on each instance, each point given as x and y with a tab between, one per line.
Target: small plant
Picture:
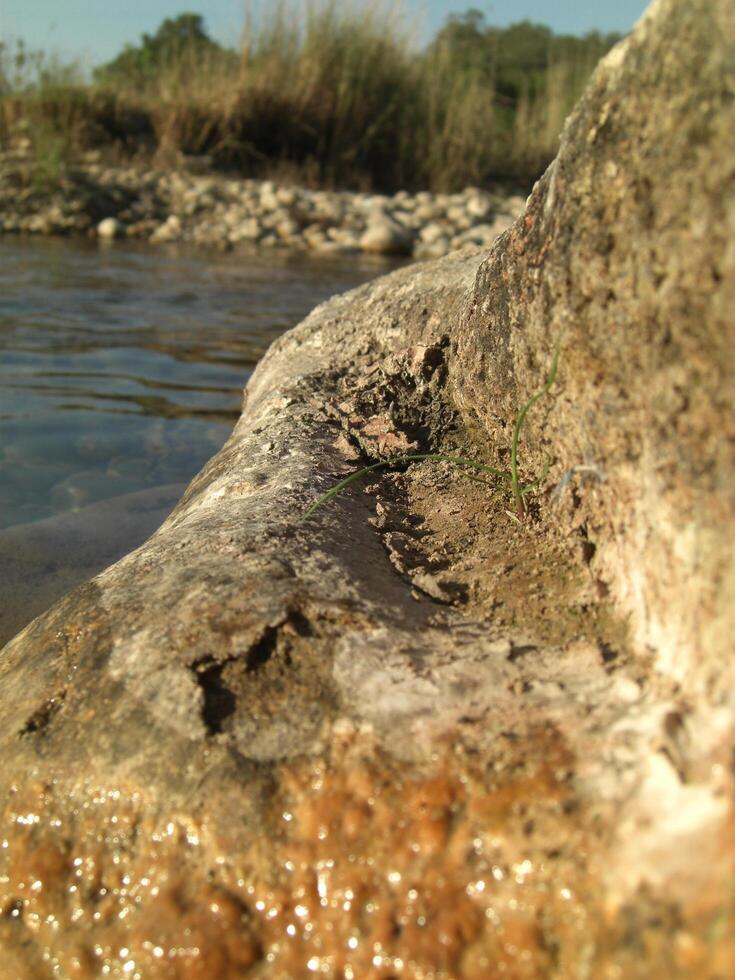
518	490
50	155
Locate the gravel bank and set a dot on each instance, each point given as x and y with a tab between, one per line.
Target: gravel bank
221	212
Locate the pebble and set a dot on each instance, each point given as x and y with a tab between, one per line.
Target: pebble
169	231
110	228
386	236
219	212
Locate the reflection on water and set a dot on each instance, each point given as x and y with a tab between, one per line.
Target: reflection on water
122	367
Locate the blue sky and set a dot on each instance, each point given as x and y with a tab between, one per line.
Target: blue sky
95	30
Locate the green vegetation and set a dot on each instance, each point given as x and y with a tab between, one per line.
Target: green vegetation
518	490
330	93
399	461
183	39
42	105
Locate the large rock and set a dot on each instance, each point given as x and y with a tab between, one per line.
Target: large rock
626	252
415	735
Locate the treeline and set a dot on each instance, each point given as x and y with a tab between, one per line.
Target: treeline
334	94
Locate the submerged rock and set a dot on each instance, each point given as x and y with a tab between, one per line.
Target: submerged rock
417	735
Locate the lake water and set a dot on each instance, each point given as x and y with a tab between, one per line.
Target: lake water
121	373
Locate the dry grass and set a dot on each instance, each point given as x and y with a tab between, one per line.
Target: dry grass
335	93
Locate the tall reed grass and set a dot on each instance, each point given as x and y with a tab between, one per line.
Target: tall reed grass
332	92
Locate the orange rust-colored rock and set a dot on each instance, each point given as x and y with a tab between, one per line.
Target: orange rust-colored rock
428	883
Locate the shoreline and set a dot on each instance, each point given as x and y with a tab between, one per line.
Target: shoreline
222	212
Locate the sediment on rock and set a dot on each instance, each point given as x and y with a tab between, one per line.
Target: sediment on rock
415	735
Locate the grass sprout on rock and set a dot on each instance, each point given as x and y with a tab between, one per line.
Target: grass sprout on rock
518	490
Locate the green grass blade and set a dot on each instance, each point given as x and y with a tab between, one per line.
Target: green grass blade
400	461
515	484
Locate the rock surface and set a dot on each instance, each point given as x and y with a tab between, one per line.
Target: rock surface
414	735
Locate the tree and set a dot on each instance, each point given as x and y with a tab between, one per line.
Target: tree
515	59
176	38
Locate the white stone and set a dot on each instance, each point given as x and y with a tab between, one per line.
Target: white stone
432	233
459	217
435	250
500	224
385	236
169	231
478	206
515	205
287	228
428	212
110	228
488	232
248	230
268	200
286	196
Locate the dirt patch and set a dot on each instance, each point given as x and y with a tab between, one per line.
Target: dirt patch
461	544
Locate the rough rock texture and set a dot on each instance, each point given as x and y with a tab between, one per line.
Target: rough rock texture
626	251
414	736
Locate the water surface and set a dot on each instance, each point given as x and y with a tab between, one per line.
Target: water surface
121	370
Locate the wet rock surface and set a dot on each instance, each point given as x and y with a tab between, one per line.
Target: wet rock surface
223	213
415	735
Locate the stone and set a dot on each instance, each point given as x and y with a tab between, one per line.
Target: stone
432	250
110	228
286	196
272	219
478	206
348	240
268	197
249	230
500	223
514	205
481	234
431	233
234	215
329	246
386	236
169	231
315	237
211	210
458	216
406	219
423	729
39	224
427	213
288	228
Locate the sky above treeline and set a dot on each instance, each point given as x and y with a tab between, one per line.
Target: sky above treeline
94	31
